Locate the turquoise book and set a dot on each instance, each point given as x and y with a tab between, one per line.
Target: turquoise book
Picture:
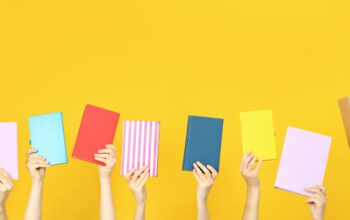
47	136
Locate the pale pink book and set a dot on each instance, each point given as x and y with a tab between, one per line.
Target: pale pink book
140	146
8	148
303	161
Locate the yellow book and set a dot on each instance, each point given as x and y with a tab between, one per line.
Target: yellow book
258	134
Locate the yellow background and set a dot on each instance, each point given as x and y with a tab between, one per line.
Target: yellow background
164	60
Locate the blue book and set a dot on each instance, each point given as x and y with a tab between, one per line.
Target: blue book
203	142
47	136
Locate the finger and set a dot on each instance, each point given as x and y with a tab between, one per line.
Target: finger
258	166
142	176
111	146
319	187
247	160
198	171
104	156
138	173
311	201
2	188
31	151
203	168
142	183
5	183
252	162
35	156
34	161
198	178
313	190
105	151
103	160
214	173
40	165
244	159
8	178
129	174
4	173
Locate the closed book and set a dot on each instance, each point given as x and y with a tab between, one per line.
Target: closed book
303	161
97	129
47	136
9	148
203	142
140	146
258	134
344	105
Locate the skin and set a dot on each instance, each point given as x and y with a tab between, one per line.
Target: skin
205	176
108	157
317	201
137	179
249	171
36	166
6	185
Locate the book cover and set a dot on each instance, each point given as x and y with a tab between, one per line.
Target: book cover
97	129
203	142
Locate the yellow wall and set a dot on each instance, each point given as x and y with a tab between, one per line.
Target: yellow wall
164	60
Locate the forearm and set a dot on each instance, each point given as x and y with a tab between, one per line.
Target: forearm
140	211
34	208
202	209
107	204
3	215
251	210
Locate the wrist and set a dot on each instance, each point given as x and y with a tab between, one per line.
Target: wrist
318	218
105	178
253	187
201	201
2	208
37	182
141	204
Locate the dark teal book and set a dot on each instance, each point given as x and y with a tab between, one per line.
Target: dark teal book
203	142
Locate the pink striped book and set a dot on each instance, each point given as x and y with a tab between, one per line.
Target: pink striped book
140	146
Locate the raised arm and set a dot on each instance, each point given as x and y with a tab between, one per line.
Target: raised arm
36	166
249	171
108	157
137	179
317	202
205	176
6	186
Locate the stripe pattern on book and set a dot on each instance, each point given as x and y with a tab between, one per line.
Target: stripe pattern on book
140	146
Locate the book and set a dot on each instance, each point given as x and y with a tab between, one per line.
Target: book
258	134
140	146
344	105
97	129
203	142
9	148
47	136
303	161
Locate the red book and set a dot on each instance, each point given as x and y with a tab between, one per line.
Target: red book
97	129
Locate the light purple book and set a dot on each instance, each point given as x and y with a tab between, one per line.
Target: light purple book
303	161
8	148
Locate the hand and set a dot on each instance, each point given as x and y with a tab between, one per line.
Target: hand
108	157
6	186
137	179
36	165
249	171
205	177
317	202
